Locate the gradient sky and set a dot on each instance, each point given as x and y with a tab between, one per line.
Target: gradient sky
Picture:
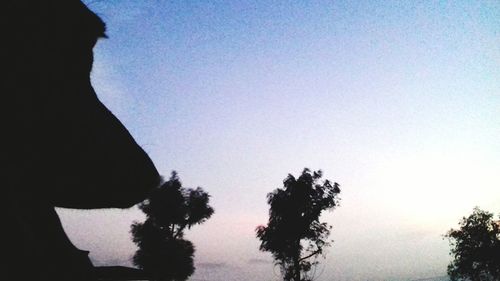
399	102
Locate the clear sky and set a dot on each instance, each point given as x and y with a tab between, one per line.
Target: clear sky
399	102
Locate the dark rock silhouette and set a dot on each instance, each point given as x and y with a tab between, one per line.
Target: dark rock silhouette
62	146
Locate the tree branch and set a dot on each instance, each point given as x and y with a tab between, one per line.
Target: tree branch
179	231
310	255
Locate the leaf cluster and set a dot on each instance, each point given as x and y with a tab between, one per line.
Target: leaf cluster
172	208
294	233
169	210
475	248
164	259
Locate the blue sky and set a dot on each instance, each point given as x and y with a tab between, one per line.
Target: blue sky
398	101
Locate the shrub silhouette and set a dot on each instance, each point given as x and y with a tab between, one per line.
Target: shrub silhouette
163	253
475	248
294	234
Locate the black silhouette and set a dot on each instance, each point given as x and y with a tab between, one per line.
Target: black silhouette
163	253
62	147
475	248
121	273
294	234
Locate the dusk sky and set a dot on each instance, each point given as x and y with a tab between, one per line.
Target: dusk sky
398	102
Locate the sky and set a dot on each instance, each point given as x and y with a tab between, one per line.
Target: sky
397	101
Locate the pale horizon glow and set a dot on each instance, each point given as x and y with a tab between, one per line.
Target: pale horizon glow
399	102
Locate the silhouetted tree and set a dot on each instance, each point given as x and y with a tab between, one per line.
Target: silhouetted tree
294	235
170	209
475	248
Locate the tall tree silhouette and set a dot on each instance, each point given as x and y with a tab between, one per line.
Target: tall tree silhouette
294	235
475	248
163	252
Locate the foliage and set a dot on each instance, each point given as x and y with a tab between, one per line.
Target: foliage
169	210
475	248
294	234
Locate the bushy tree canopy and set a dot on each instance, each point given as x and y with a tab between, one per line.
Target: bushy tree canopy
294	233
475	248
169	211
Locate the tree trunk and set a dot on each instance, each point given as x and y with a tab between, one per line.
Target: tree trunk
296	261
296	268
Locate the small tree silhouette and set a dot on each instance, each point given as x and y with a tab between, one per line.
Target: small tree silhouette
475	248
294	234
170	209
